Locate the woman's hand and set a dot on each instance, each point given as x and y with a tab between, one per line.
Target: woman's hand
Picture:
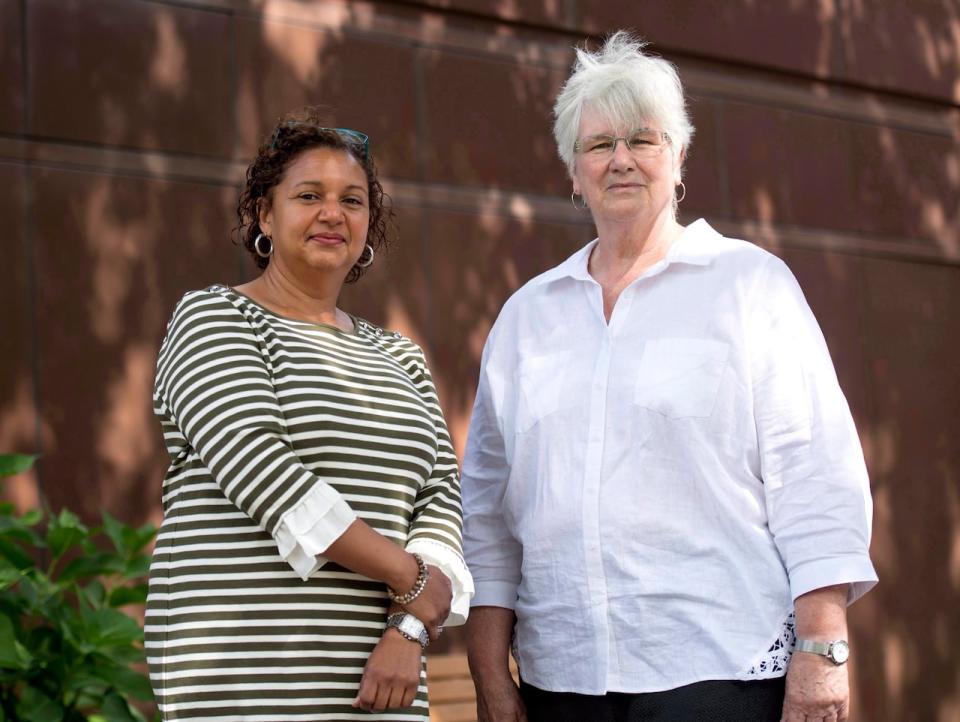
432	606
391	675
816	690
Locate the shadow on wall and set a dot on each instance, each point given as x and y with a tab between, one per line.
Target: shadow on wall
106	255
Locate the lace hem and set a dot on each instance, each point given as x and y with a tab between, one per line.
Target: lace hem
774	662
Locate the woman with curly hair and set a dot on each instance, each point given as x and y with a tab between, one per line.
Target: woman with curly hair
311	543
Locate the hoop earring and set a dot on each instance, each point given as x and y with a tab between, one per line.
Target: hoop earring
365	264
684	189
573	200
256	246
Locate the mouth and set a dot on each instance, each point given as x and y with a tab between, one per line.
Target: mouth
615	186
327	239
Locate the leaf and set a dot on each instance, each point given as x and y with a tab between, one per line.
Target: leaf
114	529
91	565
13	655
15	555
110	627
85	681
143	536
32	517
35	706
127	540
137	567
116	709
132	683
65	531
95	593
11	464
9	574
121	596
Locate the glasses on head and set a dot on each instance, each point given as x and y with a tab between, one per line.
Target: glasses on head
354	138
643	143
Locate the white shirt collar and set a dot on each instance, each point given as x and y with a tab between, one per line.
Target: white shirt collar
694	246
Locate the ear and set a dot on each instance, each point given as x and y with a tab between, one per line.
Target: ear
265	215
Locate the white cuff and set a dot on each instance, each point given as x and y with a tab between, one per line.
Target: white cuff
310	527
496	594
854	570
451	564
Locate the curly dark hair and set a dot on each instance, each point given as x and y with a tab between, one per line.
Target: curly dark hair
293	134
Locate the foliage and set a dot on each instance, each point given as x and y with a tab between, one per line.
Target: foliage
67	651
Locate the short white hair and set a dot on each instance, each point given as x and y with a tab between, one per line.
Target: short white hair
625	85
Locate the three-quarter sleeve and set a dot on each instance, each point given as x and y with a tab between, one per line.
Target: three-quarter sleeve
815	479
436	529
493	554
214	385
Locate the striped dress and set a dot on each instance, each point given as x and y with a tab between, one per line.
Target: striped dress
281	433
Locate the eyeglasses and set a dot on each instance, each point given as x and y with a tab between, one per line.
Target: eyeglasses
352	137
643	143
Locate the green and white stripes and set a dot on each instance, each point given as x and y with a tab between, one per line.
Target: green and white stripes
279	433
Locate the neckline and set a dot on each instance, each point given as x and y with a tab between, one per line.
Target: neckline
313	324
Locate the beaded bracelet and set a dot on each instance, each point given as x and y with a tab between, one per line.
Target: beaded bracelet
423	575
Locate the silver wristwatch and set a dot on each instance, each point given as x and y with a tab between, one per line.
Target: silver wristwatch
837	651
410	627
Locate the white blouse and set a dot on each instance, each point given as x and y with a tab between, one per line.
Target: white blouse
650	494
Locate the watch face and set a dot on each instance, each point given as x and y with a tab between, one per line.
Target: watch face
411	626
840	651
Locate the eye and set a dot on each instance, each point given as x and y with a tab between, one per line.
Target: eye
599	144
308	196
354	201
641	139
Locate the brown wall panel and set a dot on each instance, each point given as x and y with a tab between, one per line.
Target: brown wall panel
740	30
18	421
549	13
366	85
907	46
139	74
11	67
705	191
913	343
490	123
788	167
114	255
907	184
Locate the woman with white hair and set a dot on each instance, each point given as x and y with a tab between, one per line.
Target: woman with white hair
667	507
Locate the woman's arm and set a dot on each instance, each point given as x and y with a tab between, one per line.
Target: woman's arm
816	687
488	650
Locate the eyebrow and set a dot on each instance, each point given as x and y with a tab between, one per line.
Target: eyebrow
352	186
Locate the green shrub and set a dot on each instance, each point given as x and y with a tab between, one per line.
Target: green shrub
67	651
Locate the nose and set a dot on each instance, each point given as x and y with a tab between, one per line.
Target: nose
329	210
622	158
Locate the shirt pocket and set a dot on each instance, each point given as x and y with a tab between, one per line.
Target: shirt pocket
540	383
680	377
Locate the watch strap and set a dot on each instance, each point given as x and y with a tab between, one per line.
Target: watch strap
837	651
808	645
410	628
